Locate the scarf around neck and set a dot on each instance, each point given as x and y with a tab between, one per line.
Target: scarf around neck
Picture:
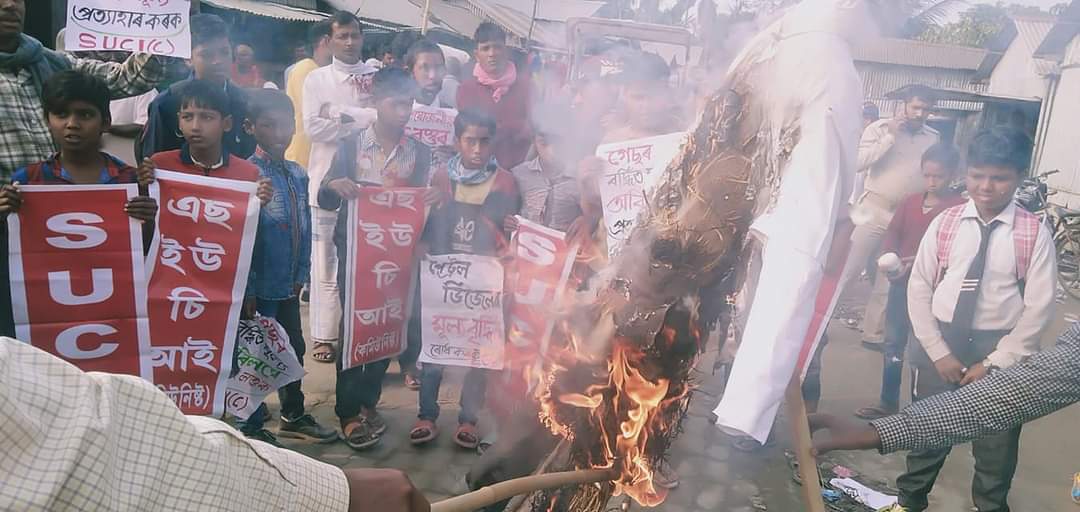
32	56
459	174
499	85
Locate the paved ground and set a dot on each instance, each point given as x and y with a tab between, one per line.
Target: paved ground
714	476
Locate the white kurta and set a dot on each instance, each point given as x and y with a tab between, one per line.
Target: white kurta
797	232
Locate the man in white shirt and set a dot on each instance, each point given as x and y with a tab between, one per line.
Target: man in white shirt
95	441
128	118
337	103
890	154
981	293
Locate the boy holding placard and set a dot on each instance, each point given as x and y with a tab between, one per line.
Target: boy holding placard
77	114
282	256
380	155
481	195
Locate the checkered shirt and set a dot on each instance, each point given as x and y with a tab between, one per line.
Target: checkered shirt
1044	383
24	135
91	441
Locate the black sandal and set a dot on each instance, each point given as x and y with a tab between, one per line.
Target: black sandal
359	435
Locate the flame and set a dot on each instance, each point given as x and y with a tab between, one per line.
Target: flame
634	400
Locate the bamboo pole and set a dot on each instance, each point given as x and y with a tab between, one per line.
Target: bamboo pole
800	433
493	494
424	18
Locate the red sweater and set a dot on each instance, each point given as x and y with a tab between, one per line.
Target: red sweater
179	160
909	224
513	138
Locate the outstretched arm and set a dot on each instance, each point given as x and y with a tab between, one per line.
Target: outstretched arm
1045	383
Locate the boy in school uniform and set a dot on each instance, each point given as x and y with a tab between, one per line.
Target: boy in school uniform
281	261
381	155
77	114
913	216
204	117
980	295
481	195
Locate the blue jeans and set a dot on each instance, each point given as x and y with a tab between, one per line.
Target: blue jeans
897	330
287	313
473	393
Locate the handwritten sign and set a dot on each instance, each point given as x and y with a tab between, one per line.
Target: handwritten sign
462	311
199	261
78	286
631	170
384	227
265	361
147	26
432	126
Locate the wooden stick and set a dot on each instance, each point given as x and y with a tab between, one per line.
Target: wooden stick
800	433
493	494
560	450
424	18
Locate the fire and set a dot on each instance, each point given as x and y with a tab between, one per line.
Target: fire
622	411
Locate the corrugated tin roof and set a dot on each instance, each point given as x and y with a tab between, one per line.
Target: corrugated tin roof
554	10
397	12
463	16
547	33
1031	31
880	80
905	52
1066	28
269	9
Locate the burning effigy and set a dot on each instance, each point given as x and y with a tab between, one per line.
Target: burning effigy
618	383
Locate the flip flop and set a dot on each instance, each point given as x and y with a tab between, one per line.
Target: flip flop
424	431
359	435
466	436
874	412
323	353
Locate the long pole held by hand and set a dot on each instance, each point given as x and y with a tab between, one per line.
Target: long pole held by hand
800	434
505	490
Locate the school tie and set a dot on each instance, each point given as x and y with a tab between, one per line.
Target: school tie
964	313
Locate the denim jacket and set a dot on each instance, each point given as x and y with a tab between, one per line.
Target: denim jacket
282	256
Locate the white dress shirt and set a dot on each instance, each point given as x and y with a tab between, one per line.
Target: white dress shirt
797	228
1000	306
331	86
71	440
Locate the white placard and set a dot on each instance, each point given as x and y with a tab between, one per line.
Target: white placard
432	126
143	26
631	171
265	361
462	311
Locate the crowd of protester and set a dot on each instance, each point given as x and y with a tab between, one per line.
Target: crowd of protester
971	278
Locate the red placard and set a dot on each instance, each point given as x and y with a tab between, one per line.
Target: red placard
542	263
384	226
78	285
199	266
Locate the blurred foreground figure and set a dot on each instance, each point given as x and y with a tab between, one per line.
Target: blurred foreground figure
95	441
1042	384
